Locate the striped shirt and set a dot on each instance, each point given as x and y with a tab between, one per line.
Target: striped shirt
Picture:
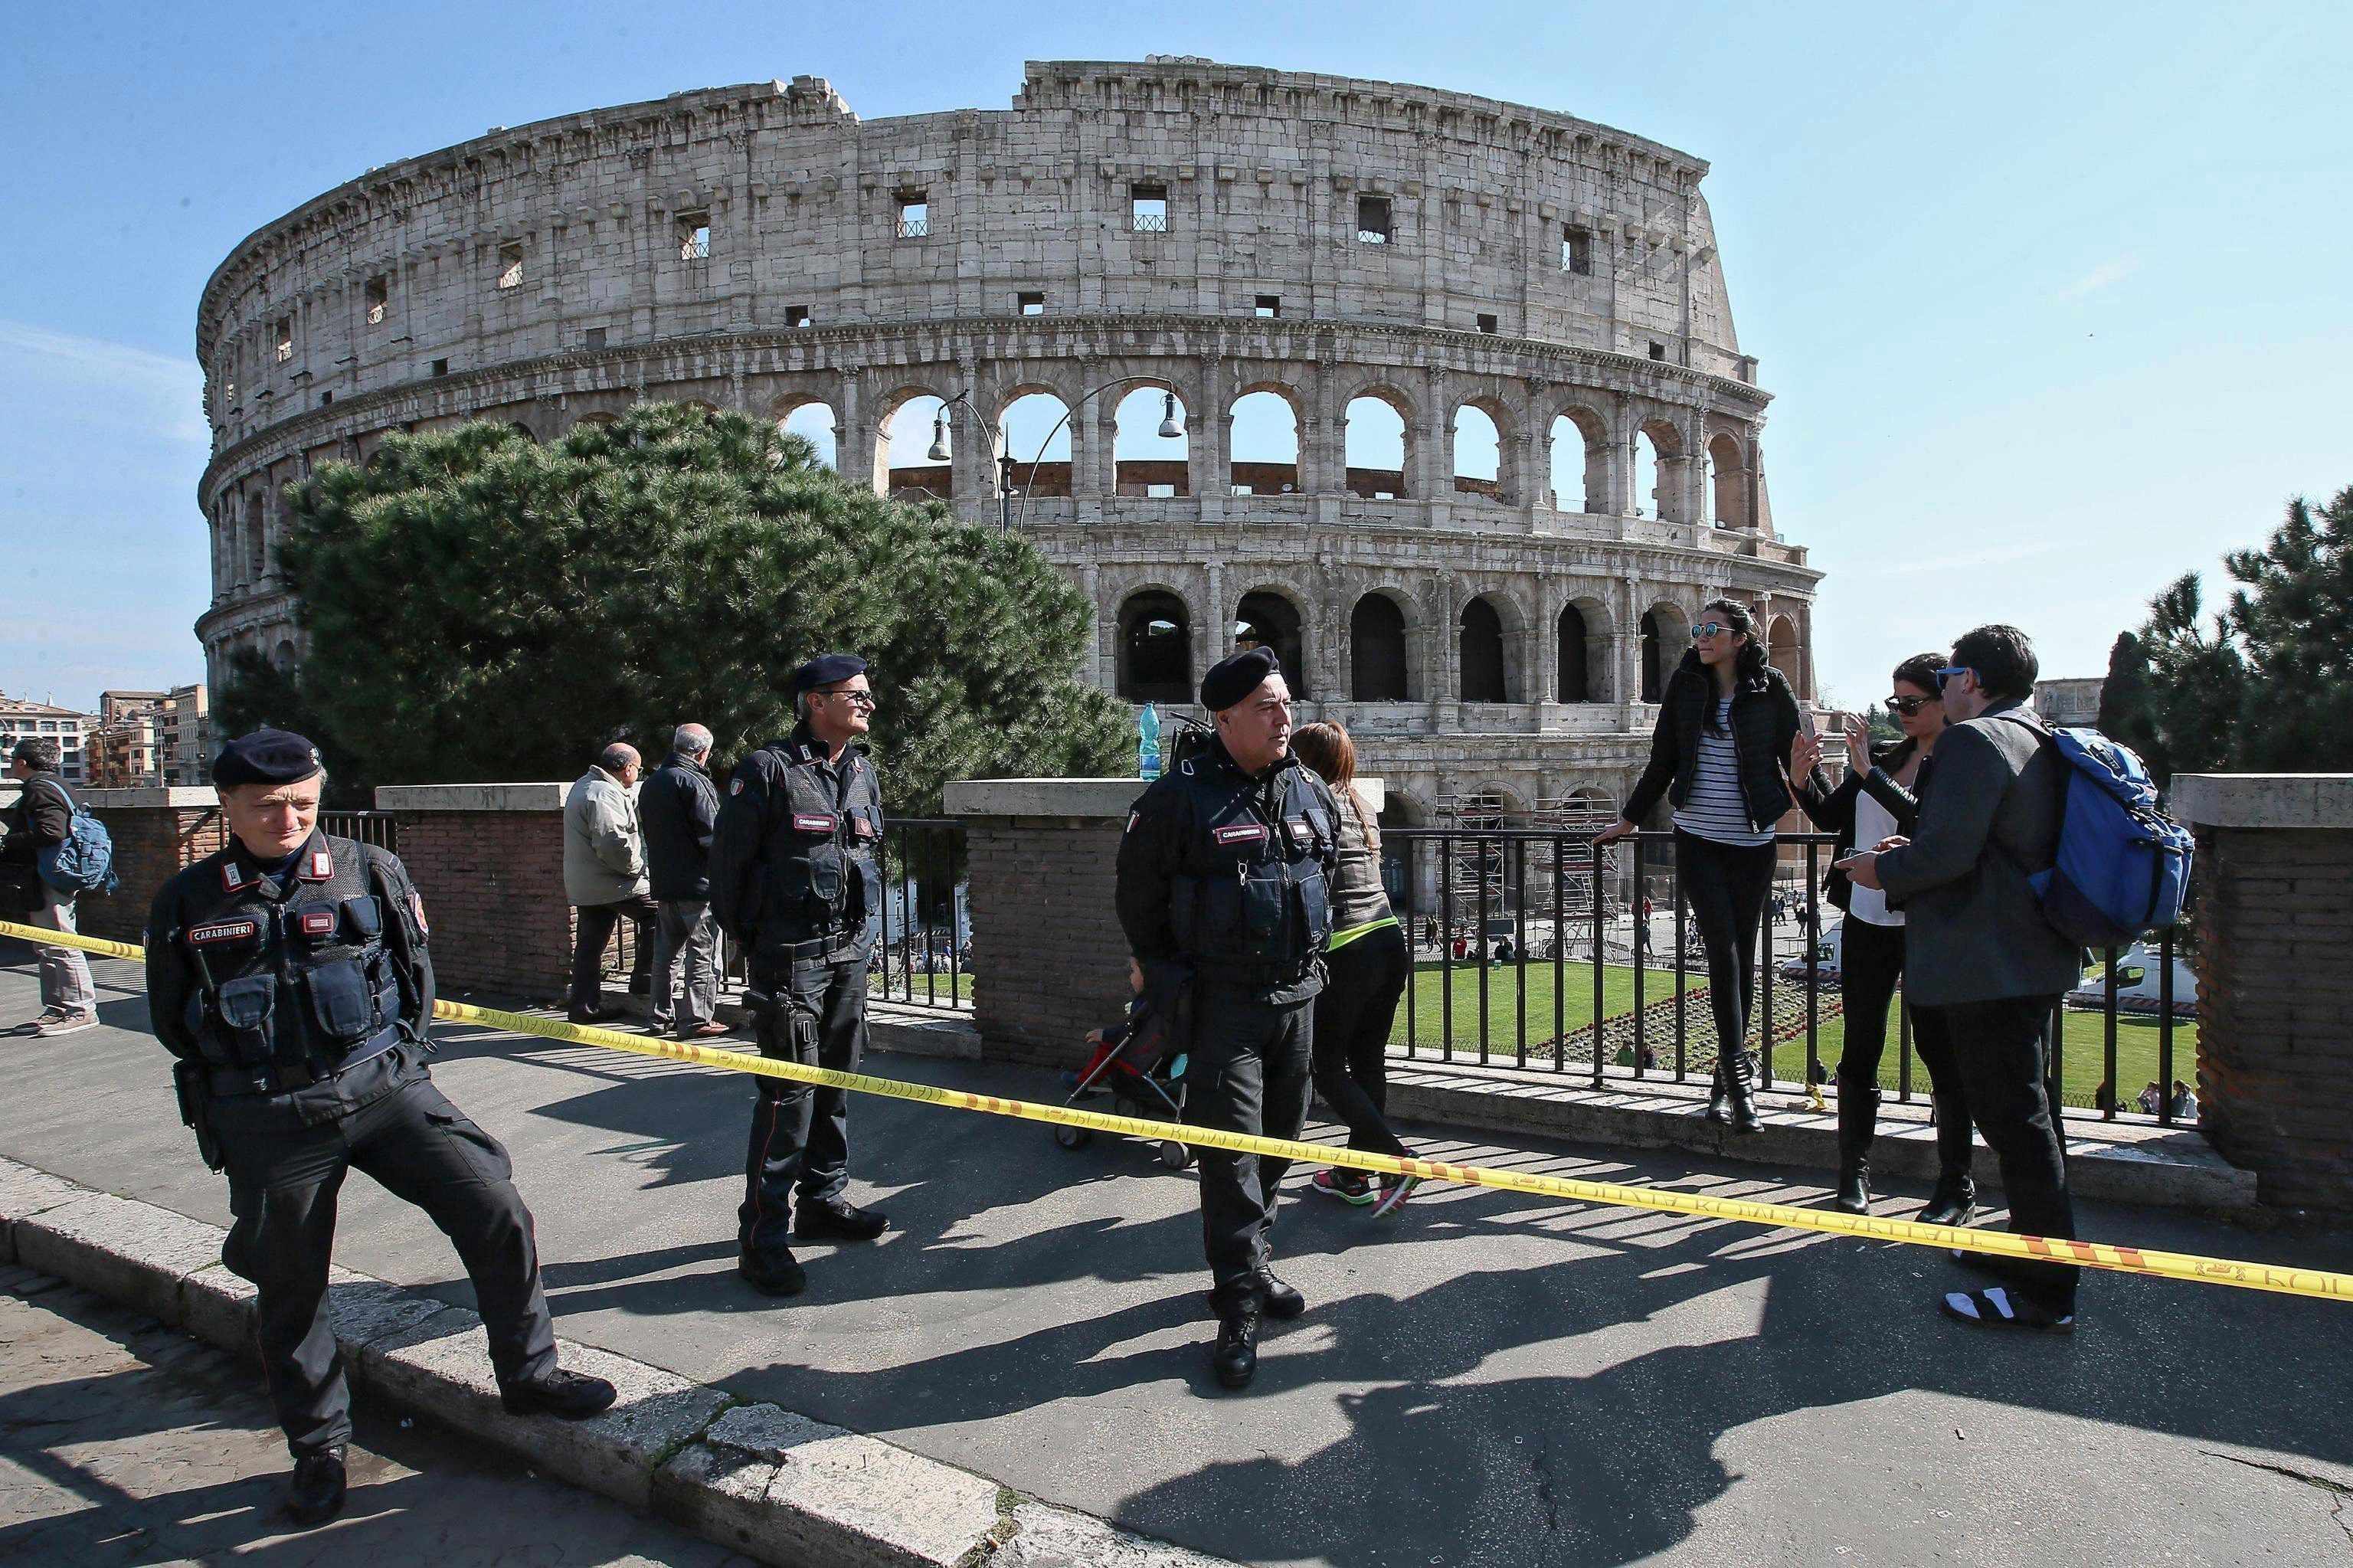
1715	809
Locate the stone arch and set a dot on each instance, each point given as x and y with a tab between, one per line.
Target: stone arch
1256	463
1035	430
1582	648
525	431
1577	459
1154	660
908	418
1658	469
813	418
256	532
596	418
1666	637
285	657
1784	653
1273	616
1153	470
1481	425
1727	482
1380	647
1403	859
1364	434
1483	665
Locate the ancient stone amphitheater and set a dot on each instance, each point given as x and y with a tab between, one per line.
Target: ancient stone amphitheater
1439	394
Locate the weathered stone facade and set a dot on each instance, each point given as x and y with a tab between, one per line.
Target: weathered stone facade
1209	230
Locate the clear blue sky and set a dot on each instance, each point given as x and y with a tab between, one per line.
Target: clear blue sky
2053	300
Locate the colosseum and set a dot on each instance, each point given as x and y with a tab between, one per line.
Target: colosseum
1440	395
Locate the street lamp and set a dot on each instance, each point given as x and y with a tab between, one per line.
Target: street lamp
943	450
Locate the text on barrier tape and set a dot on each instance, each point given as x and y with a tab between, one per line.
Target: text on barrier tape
2313	1282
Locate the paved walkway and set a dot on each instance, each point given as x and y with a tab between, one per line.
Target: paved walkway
1489	1380
124	1441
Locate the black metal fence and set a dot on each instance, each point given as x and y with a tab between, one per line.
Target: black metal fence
375	828
1518	963
925	952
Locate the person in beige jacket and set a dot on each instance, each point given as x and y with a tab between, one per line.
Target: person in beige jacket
605	877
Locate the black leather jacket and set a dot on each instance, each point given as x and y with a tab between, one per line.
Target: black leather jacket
1764	723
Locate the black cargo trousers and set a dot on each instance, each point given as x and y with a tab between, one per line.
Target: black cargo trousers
1249	1071
800	1134
286	1156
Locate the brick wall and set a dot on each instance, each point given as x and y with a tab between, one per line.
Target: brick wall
1049	960
493	887
2276	1008
151	845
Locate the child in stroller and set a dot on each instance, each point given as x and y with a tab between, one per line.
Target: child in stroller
1140	1063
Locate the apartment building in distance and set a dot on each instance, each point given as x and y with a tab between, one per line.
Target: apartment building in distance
21	718
149	739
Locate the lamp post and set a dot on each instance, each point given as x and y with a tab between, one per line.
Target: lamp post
943	450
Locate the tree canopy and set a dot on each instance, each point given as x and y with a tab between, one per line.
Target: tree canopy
485	608
2265	684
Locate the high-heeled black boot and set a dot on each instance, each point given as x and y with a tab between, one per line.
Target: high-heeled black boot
1740	1093
1719	1098
1858	1116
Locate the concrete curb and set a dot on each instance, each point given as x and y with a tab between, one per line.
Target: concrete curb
758	1478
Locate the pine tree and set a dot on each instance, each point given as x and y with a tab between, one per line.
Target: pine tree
483	608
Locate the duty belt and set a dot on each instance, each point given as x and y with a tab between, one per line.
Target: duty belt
223	1083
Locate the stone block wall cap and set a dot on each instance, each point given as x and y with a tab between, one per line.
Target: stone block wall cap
2262	799
180	795
470	797
1105	797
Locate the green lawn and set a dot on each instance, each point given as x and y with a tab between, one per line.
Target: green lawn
2081	1055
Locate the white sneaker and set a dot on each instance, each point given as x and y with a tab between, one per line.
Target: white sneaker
33	1025
66	1023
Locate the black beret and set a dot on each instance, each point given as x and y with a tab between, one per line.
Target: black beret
825	670
1232	678
266	757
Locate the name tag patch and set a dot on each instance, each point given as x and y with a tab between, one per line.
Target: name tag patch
1240	833
865	829
811	822
321	866
318	922
219	931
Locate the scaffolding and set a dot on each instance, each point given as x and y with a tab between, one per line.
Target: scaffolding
1487	877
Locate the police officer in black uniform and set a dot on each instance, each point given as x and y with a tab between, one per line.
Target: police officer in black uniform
795	882
1223	892
289	975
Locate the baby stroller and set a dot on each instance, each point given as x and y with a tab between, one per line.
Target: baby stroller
1145	1079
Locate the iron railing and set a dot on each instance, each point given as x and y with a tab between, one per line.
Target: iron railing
1563	906
376	828
924	955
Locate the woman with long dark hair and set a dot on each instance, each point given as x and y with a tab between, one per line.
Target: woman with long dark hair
1879	798
1727	722
1368	958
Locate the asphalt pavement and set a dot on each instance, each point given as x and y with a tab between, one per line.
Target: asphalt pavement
1484	1380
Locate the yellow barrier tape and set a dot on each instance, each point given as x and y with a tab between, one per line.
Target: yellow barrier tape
2286	1281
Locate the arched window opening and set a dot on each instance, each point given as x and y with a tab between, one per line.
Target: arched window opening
1270	620
1654	678
1728	484
257	540
1575	678
1482	647
904	456
1782	651
1376	651
1666	637
525	431
1397	857
1376	448
1265	458
1478	453
1155	648
1570	461
1151	450
1035	431
814	423
1647	500
285	658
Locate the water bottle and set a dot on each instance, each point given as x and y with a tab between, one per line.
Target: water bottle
1147	743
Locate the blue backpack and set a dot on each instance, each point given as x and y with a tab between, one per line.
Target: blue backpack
83	860
2124	865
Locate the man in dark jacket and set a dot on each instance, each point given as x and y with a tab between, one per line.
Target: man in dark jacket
41	818
678	808
1979	951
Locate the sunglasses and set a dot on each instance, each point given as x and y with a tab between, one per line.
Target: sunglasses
1947	671
861	699
1907	706
1707	629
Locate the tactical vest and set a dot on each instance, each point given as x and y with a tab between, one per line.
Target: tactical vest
289	990
821	884
1250	903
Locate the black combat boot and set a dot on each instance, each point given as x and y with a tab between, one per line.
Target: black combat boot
1719	1098
778	1274
1282	1302
316	1494
1954	1202
840	1220
570	1394
1235	1356
1858	1117
1740	1093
